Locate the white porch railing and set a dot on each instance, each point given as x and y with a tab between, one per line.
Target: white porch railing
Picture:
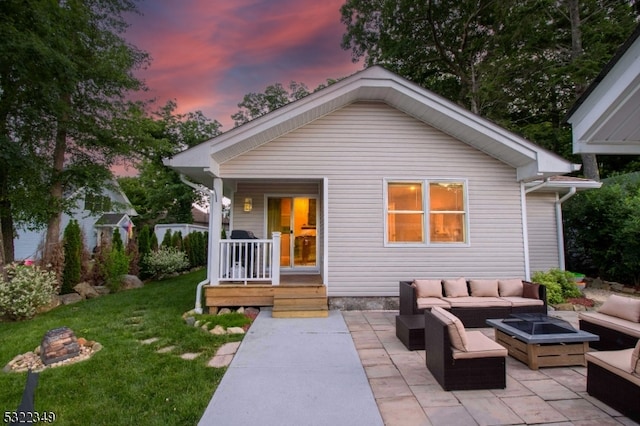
250	260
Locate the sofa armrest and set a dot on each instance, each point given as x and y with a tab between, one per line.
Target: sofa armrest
437	342
408	299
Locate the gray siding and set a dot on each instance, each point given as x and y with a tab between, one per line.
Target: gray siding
359	146
543	237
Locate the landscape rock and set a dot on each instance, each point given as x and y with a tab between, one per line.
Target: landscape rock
218	330
252	313
190	320
101	289
224	311
70	298
130	282
86	290
235	330
240	310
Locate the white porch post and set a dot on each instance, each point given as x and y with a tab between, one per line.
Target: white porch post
215	230
275	259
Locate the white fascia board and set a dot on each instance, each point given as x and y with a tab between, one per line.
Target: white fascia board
620	85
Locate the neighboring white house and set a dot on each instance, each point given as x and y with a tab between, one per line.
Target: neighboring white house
606	118
96	215
374	179
184	228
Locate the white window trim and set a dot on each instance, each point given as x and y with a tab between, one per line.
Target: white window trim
426	229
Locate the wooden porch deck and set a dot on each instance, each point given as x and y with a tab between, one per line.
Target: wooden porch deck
302	295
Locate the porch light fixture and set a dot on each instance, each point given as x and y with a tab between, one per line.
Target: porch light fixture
248	204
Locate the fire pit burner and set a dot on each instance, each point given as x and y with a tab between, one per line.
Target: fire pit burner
59	344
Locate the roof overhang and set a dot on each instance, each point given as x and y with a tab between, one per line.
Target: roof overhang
606	119
562	184
374	84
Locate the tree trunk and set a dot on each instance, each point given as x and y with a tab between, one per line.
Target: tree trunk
6	218
589	161
56	190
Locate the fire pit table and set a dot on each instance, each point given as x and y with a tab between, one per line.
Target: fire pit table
539	340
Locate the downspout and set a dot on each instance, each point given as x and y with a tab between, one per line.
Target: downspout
212	199
525	231
559	227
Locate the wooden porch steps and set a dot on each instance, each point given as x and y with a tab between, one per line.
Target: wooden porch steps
305	300
295	305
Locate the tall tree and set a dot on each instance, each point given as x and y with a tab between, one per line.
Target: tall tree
157	193
65	73
254	105
509	61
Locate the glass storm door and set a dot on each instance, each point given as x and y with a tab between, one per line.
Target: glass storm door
295	218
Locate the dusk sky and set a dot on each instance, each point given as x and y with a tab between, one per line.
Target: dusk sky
207	54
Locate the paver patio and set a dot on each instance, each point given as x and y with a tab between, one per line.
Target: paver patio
407	393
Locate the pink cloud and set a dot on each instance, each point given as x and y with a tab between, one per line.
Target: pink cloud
208	54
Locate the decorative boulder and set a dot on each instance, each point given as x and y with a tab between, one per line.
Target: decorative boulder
86	290
131	281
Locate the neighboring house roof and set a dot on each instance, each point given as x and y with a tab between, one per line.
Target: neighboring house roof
374	84
113	219
605	119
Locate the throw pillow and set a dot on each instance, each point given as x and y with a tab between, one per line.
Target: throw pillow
622	307
457	333
456	288
510	288
635	355
428	288
531	290
484	288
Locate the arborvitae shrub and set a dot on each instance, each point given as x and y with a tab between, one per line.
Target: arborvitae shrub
72	244
176	240
166	240
144	241
116	240
154	242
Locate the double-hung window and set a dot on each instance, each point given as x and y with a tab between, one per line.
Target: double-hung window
426	212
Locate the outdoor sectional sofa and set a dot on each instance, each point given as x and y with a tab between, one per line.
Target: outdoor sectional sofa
617	322
473	301
460	359
613	377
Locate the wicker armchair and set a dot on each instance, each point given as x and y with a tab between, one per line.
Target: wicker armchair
482	372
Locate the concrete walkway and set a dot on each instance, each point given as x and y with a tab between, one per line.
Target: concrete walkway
295	372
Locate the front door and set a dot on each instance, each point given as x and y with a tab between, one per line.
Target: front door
295	218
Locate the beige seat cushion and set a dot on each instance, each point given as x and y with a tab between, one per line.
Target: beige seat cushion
618	324
430	302
522	301
616	362
622	307
457	333
484	288
455	288
428	288
510	288
479	346
477	302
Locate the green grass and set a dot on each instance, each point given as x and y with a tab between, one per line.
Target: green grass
126	382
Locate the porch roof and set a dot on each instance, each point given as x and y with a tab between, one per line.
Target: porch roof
375	83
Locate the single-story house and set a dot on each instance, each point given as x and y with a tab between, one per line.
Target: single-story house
606	118
96	215
373	180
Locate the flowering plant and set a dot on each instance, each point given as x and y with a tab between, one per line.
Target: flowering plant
166	260
25	289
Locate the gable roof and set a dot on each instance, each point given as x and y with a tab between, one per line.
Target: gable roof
374	84
605	118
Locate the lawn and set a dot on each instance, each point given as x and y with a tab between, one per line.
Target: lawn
126	382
